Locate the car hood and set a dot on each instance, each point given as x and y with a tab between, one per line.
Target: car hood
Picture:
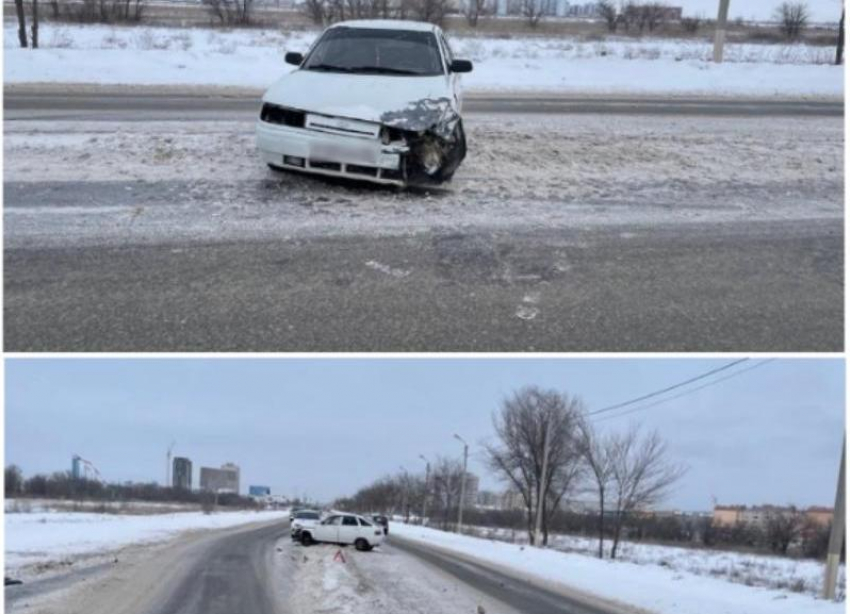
407	103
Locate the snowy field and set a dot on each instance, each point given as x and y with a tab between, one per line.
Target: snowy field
254	59
800	576
44	539
22	505
663	589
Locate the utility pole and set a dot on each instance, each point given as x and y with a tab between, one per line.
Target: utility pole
427	489
462	484
836	536
168	464
541	488
839	46
406	501
720	31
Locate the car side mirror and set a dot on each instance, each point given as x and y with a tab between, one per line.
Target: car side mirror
461	66
293	57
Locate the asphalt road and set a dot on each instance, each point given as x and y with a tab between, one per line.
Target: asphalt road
519	595
231	575
28	104
767	286
772	287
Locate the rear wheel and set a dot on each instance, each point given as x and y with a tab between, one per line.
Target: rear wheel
306	539
362	545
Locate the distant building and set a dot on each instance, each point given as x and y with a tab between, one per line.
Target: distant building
259	491
512	500
76	468
487	499
181	474
758	515
225	479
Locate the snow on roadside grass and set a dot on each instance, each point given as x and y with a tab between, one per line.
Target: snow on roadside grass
656	588
254	58
799	576
44	537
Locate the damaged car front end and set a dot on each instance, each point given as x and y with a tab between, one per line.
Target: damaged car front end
379	102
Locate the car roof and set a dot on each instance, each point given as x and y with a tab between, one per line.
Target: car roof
387	24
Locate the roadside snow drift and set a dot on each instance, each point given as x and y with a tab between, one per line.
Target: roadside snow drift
654	588
253	58
43	537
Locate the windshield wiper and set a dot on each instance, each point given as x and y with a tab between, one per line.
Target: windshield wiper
329	67
384	70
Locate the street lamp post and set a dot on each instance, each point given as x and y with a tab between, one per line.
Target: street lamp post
427	491
406	500
462	484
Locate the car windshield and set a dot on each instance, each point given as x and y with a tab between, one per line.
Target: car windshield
307	515
376	51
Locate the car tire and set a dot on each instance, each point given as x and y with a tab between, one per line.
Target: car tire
306	539
362	545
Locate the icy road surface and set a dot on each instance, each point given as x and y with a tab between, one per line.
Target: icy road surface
614	231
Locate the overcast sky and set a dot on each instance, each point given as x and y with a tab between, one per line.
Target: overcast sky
821	10
327	427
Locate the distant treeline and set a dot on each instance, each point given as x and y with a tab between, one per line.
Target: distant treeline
63	485
789	535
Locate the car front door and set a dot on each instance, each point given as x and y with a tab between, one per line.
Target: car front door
349	530
328	530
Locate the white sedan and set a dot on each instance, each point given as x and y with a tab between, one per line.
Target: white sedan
375	100
344	529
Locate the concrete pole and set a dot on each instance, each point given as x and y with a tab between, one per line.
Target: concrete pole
462	485
541	489
836	537
720	31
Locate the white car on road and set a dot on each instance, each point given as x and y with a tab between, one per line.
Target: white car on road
376	100
344	529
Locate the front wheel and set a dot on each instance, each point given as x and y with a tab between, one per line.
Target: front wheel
362	545
306	539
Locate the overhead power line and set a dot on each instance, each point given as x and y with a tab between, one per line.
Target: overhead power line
668	388
687	392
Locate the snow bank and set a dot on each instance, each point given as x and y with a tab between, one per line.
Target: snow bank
654	588
51	536
254	58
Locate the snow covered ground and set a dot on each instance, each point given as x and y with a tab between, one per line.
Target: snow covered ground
254	59
664	589
801	576
42	539
21	505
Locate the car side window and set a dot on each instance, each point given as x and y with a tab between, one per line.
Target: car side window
348	521
365	523
333	520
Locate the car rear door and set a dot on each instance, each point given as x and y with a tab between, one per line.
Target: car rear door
349	530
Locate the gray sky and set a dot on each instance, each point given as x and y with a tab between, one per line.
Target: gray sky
821	10
326	427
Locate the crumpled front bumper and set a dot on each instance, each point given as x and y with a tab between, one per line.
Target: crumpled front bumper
334	155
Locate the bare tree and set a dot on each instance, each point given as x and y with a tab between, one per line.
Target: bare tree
782	528
22	23
691	25
231	12
432	11
532	10
473	10
14	480
839	45
521	426
446	477
654	14
608	11
597	453
793	18
35	24
641	475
